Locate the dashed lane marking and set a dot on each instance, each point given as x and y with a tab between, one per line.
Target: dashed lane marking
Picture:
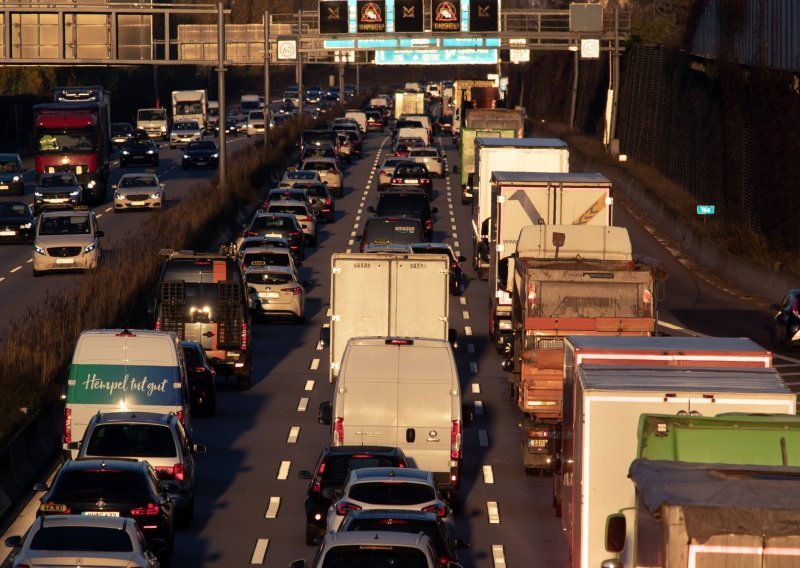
358	217
29	261
293	434
99	215
309	385
350	242
348	251
328	313
314	364
13	270
463	301
354	233
260	551
455	237
679	328
476	388
478	408
453	227
2	278
499	556
470	348
483	439
272	508
488	474
458	252
467	330
303	404
494	512
108	209
473	367
283	470
455	244
465	314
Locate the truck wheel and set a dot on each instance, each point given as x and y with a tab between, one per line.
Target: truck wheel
244	381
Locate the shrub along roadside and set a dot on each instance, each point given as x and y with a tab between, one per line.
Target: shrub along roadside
38	348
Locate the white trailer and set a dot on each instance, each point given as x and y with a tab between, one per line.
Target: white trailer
190	105
601	416
507	155
386	295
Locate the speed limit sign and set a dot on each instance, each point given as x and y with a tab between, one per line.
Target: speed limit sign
590	49
287	49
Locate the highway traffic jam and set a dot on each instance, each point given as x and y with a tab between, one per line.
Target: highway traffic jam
433	344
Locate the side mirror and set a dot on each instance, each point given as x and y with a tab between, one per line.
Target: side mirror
371	209
434	210
331	493
325	337
41	486
99	234
163	186
616	527
325	413
199	448
14	541
304	474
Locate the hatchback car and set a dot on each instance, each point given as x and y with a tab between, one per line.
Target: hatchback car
183	132
114	488
138	151
785	330
11	174
139	191
353	138
386	170
431	158
158	439
375	549
374	121
96	541
319	152
391	230
276	291
16	222
329	173
303	212
333	466
322	200
294	176
57	190
201	154
457	277
387	488
413	176
279	225
345	149
66	240
120	132
413	204
263	257
202	379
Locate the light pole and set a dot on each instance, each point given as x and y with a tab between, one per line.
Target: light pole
223	162
267	111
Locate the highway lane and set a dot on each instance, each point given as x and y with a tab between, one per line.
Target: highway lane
16	279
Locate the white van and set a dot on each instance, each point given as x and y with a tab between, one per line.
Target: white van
360	117
413	132
401	392
119	370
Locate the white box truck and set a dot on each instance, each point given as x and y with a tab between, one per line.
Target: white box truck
383	295
602	409
190	105
507	155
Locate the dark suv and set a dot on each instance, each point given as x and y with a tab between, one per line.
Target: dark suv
412	204
327	479
396	230
412	176
279	225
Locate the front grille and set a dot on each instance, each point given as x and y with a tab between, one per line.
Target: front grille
138	197
64	251
55	196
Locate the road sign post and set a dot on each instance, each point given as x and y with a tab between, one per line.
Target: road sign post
705	211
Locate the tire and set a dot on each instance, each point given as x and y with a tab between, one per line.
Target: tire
299	320
37	273
122	163
244	382
312	534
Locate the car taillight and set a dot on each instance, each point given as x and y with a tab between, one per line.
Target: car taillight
444	561
328	201
440	510
158	325
67	425
149	511
251	233
244	336
179	472
532	296
295	290
795	309
346	144
338	432
308	218
343	508
335	172
181	417
454	265
455	439
295	233
397	180
383	173
428	224
538	434
176	472
425	180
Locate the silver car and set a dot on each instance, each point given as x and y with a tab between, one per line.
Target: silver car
306	216
69	540
183	132
66	240
255	123
430	157
329	173
276	290
139	191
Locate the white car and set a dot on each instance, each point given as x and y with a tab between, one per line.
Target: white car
66	240
387	488
139	191
275	290
255	123
329	173
183	132
304	214
292	177
430	157
266	256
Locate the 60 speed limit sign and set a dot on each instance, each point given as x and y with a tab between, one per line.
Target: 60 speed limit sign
287	49
590	49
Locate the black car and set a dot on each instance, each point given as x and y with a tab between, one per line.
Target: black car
785	331
120	132
16	222
414	522
393	230
230	128
119	488
279	225
202	379
413	176
11	174
327	479
374	121
457	277
138	151
200	154
322	200
413	204
443	124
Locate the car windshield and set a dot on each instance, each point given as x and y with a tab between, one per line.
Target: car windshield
193	356
75	141
264	258
204	145
391	493
188	107
152	114
9	166
13	210
257	115
315	189
57	181
121	129
369	556
268	278
81	539
138	181
300	174
272	223
186	126
132	440
137	144
92	484
65	225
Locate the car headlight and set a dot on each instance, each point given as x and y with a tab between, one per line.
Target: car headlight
186	156
16	178
40	250
125	153
37	193
215	155
156	195
90	248
163	129
91	184
505	325
150	152
118	196
74	193
26	226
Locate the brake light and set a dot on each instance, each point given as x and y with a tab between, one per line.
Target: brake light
383	172
251	233
308	218
345	507
444	561
338	431
179	472
795	307
295	233
538	434
335	172
454	265
294	290
428	224
67	425
440	510
455	439
397	180
425	180
149	511
181	417
328	201
244	336
158	325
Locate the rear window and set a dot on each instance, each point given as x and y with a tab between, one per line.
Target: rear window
411	170
268	278
316	189
400	231
403	203
293	209
81	539
266	259
287	196
272	223
411	526
431	250
319	166
371	556
430	153
106	483
132	441
391	493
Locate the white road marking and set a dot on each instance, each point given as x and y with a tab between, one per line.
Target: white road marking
13	270
679	328
108	209
478	408
314	364
359	211
467	330
453	227
354	233
348	251
350	242
358	217
488	474
499	556
2	278
98	215
494	512
483	438
458	252
283	471
293	434
260	551
463	301
476	388
327	315
470	348
465	314
29	261
455	236
272	509
309	385
303	404
455	244
473	367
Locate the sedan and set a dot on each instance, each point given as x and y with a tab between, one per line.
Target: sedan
202	379
386	170
230	127
139	191
276	291
322	200
412	177
201	154
16	222
120	132
305	215
138	151
61	540
57	190
278	225
329	173
785	331
11	174
184	132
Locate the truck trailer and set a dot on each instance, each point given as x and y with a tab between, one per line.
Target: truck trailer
408	103
190	105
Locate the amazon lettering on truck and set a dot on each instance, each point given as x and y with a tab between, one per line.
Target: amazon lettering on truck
116	370
602	409
401	392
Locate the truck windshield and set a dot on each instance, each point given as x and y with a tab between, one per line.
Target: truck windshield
152	114
250	105
9	165
72	141
184	108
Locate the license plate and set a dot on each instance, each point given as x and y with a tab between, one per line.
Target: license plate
3	186
273	295
411	181
273	235
537	443
65	261
56	200
101	513
137	203
7	233
52	508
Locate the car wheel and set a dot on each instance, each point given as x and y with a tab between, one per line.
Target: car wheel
312	534
244	381
36	273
